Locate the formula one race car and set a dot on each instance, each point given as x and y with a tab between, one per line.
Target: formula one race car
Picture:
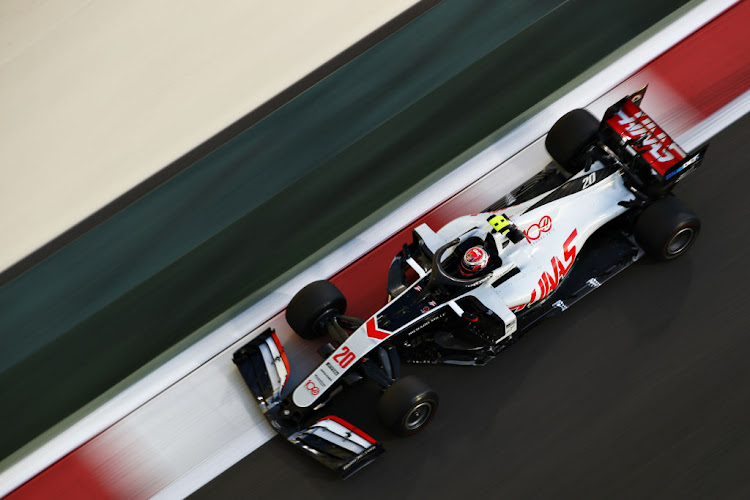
464	293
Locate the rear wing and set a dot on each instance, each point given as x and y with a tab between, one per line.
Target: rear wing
644	147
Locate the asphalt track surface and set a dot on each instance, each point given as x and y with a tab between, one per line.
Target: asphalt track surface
638	391
142	281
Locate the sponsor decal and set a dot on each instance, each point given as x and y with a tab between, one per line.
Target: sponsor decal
430	319
312	388
429	305
549	280
646	137
534	231
358	458
333	370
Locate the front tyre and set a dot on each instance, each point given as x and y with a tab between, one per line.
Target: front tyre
666	229
407	406
311	306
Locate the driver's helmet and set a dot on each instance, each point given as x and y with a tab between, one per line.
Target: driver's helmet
475	259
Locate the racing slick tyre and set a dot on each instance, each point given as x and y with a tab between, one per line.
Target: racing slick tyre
310	307
568	138
407	406
666	229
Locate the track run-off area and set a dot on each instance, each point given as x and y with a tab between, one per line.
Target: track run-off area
694	83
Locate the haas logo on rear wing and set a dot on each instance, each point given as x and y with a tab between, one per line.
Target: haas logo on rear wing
645	136
641	143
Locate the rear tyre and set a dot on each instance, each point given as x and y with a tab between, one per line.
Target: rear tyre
311	306
407	406
569	137
667	229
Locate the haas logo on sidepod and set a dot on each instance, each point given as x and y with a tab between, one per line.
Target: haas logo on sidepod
549	280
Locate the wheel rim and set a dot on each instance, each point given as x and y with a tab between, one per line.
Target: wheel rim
680	241
418	416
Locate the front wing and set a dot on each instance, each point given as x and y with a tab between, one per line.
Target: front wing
330	440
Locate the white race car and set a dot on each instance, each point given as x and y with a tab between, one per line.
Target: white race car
462	294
